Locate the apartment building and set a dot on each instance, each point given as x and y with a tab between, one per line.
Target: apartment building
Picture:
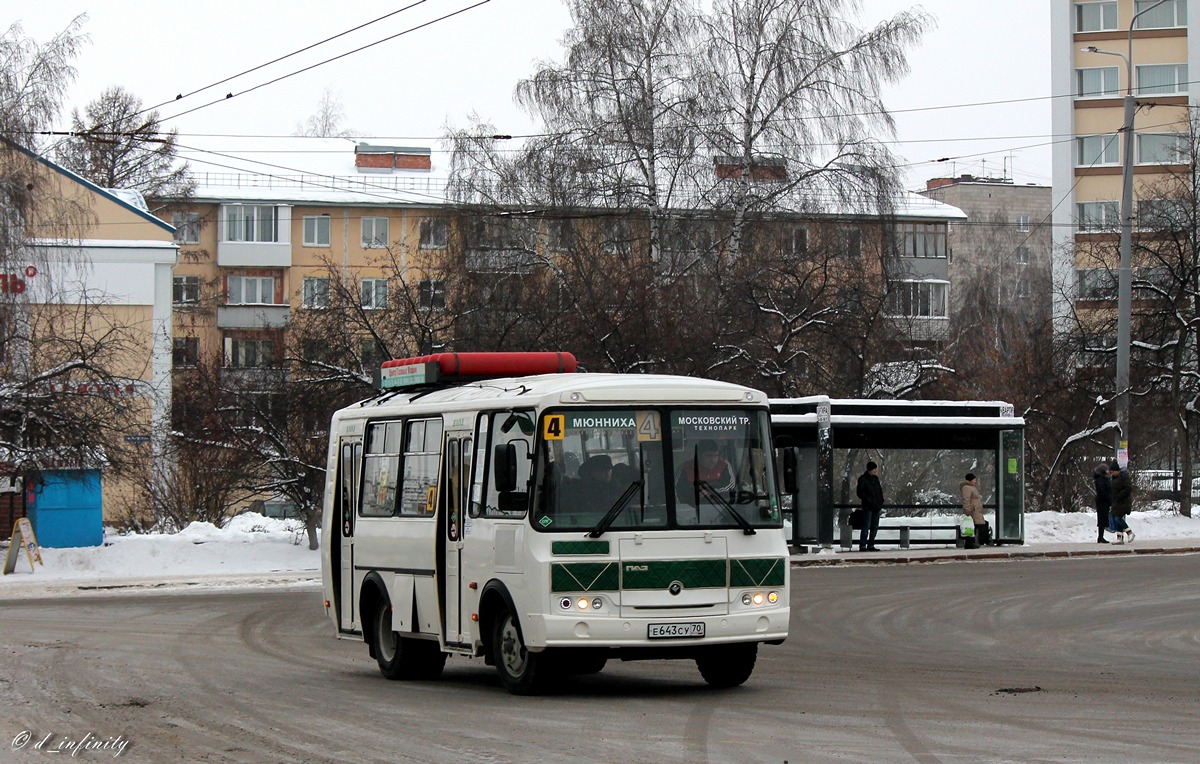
257	243
1098	52
1004	245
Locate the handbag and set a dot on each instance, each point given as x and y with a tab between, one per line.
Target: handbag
968	527
857	519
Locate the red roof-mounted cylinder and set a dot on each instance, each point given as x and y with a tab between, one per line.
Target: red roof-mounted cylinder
492	364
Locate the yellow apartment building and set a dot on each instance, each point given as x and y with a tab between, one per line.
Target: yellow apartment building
1098	53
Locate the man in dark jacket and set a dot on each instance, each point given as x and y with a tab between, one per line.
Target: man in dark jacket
870	493
1103	501
1122	503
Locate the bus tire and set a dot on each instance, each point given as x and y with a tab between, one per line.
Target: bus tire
521	672
727	665
403	657
581	662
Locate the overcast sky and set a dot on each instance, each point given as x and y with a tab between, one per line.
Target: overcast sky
408	88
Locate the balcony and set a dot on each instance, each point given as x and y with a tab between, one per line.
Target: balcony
254	254
253	316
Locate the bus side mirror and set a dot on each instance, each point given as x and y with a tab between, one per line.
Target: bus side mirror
504	467
791	465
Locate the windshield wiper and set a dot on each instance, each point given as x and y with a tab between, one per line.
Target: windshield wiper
711	494
611	515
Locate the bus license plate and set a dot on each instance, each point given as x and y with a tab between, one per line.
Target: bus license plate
675	630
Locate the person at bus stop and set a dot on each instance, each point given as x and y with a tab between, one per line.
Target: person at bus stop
1104	496
712	470
1122	503
972	506
870	492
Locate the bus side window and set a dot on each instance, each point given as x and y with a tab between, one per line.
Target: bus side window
479	478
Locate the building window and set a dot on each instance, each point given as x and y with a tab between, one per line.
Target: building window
1097	284
249	353
1097	149
1163	214
185	351
1022	223
375	233
374	293
316	230
432	294
251	222
1100	82
250	290
316	293
1022	288
849	242
917	299
921	240
1172	13
187	227
560	235
1022	255
1098	216
618	238
795	241
1096	17
1162	79
434	233
371	354
1161	148
185	290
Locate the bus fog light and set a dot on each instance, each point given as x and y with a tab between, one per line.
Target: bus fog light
746	600
565	603
758	598
597	603
583	603
773	597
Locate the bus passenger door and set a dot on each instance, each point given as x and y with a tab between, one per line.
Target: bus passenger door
349	469
452	504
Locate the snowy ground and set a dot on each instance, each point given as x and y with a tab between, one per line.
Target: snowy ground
257	546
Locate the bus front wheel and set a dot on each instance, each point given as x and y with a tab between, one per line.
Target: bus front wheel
728	665
403	657
521	672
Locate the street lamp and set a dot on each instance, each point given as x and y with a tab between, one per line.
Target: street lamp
1125	274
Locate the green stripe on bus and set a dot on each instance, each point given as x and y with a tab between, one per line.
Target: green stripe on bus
659	574
579	547
768	571
584	577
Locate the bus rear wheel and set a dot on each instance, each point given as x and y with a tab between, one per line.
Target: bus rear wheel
521	672
728	665
403	657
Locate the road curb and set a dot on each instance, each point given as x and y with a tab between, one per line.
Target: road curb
817	561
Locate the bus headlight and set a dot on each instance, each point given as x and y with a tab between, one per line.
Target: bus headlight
773	597
597	603
583	604
758	598
565	603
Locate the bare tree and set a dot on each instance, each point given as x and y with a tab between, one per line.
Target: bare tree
328	120
118	144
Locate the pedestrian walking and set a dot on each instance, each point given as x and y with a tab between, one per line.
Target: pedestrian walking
1104	496
1122	503
870	493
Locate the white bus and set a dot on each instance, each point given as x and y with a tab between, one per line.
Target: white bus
497	505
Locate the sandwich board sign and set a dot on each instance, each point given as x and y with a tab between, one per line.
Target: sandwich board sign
22	538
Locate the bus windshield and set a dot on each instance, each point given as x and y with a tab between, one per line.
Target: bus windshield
654	468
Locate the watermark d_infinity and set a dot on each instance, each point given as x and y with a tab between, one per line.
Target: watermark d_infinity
74	745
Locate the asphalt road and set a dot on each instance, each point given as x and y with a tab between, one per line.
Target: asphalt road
1023	661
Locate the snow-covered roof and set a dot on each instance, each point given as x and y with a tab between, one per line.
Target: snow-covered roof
316	171
130	196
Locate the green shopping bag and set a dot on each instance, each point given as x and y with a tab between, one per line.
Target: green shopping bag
968	528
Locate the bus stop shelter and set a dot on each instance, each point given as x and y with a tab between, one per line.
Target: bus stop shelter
923	448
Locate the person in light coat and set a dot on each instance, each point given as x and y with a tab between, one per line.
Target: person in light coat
972	506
